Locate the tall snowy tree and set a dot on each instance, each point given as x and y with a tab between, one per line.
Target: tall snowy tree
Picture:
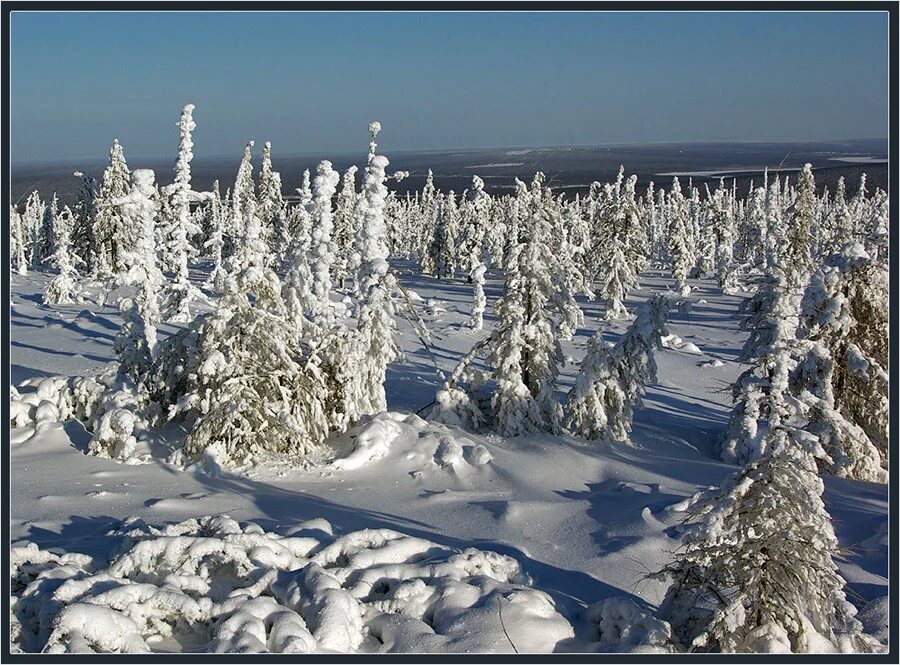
17	242
136	344
322	250
110	235
345	226
181	293
375	323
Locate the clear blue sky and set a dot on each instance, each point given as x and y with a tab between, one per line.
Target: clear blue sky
312	82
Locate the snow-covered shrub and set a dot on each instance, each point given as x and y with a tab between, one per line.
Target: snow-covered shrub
237	378
622	626
221	586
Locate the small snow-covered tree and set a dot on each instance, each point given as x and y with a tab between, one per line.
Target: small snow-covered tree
345	226
474	247
611	379
679	244
136	344
83	243
516	410
617	278
762	395
271	202
63	288
32	219
215	240
110	235
756	569
46	236
241	383
797	264
17	242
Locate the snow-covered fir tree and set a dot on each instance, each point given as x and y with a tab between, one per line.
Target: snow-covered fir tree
797	264
322	250
756	569
17	242
375	322
110	235
63	288
477	220
345	226
181	293
679	243
843	372
136	344
611	379
83	243
271	202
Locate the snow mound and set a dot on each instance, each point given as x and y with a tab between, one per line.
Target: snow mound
211	584
675	343
417	445
623	626
715	362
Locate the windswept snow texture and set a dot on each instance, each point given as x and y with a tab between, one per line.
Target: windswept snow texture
415	537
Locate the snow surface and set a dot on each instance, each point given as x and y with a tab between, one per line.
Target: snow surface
538	543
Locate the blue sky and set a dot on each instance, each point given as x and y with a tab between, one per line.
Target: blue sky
310	82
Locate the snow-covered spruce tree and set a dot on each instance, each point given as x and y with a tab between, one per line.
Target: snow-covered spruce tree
632	226
843	377
63	288
214	239
32	219
679	245
842	227
612	379
46	236
181	293
83	244
475	249
721	221
616	278
345	226
566	271
271	202
523	351
755	228
111	236
17	242
136	344
762	396
375	323
797	264
756	569
322	250
251	250
516	411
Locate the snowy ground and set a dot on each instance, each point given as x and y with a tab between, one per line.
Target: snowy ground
581	522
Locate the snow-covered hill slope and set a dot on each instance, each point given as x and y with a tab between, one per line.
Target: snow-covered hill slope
579	522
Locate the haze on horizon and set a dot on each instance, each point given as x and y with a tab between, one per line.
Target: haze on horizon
311	82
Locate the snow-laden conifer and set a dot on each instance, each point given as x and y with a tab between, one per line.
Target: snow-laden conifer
136	344
110	235
756	569
181	293
612	379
